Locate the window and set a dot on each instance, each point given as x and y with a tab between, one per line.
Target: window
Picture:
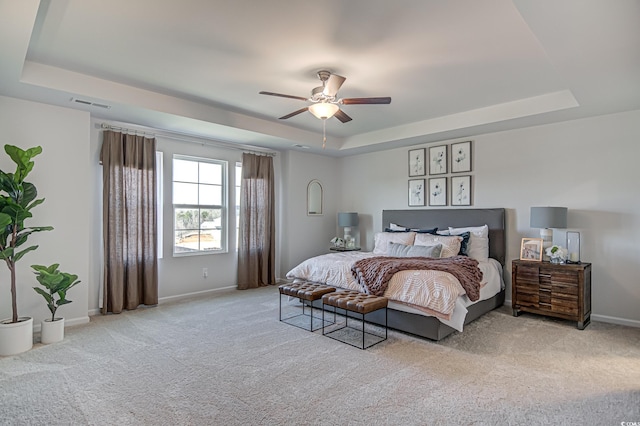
199	205
238	185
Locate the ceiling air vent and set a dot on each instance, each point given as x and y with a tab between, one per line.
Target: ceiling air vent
89	103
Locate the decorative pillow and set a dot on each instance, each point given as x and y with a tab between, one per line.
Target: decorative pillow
397	228
450	244
402	250
425	231
478	246
382	240
394	227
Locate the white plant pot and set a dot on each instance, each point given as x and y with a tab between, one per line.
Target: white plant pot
16	337
52	331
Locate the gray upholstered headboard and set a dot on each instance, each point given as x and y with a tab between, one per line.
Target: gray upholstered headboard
443	218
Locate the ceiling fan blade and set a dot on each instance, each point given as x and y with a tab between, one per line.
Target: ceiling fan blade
342	116
284	96
360	101
300	111
333	84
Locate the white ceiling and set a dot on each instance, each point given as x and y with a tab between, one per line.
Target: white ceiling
453	68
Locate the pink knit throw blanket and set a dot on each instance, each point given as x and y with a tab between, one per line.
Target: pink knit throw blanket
373	274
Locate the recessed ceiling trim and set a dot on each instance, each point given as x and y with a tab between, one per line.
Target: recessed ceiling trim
549	102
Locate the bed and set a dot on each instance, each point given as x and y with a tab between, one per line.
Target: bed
408	318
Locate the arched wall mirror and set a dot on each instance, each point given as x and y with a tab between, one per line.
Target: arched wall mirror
314	198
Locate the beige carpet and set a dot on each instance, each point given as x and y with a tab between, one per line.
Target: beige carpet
227	360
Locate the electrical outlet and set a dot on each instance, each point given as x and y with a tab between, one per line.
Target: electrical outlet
205	272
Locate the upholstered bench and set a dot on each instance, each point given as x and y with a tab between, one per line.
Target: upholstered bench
305	291
356	303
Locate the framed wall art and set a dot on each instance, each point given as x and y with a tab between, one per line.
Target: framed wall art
438	160
438	191
460	190
417	166
531	249
461	157
416	192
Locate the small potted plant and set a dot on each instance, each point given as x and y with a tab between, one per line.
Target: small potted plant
57	284
557	254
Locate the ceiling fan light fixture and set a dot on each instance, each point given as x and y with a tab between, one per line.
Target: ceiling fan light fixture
323	110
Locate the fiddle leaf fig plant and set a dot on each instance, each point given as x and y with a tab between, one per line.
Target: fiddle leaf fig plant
56	283
17	199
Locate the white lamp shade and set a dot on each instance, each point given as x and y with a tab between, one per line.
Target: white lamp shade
323	110
548	217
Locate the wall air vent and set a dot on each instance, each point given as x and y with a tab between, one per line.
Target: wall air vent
89	103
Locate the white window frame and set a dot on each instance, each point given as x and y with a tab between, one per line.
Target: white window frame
224	207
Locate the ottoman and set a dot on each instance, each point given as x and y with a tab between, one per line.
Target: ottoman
359	305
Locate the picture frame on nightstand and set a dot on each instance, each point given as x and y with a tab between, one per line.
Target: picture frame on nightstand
531	249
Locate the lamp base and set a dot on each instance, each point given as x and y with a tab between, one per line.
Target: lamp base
547	239
349	241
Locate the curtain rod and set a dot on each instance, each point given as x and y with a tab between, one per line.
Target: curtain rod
150	132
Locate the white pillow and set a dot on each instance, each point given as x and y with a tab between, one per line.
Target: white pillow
450	244
395	227
478	246
382	240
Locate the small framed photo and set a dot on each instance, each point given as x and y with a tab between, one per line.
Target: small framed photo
531	249
460	190
438	191
461	157
417	166
438	160
416	192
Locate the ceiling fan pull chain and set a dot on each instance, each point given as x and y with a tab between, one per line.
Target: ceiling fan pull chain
324	133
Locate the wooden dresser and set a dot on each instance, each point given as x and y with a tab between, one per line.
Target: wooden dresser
561	291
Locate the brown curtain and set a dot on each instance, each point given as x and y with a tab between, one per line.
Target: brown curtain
256	242
129	221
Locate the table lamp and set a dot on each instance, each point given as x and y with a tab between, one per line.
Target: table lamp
547	218
348	220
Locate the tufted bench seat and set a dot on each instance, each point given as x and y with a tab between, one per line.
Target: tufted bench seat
357	303
305	291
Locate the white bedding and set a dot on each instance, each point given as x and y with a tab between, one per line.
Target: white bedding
438	294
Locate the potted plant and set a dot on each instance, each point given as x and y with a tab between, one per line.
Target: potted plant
56	284
17	199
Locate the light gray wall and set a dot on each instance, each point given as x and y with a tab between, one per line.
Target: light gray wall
182	275
304	236
589	166
61	175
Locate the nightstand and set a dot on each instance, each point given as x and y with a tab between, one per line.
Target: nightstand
561	291
344	248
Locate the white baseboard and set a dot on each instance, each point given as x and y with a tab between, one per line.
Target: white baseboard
196	293
615	320
603	318
67	323
167	299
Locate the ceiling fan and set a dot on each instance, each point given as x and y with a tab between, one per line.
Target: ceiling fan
325	99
